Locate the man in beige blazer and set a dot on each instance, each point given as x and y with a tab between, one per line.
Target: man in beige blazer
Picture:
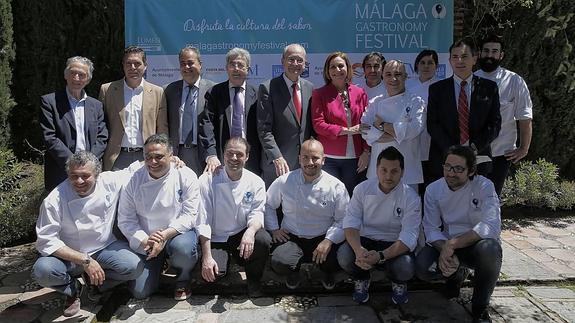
135	110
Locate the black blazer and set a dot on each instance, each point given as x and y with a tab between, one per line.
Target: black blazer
215	129
443	124
59	133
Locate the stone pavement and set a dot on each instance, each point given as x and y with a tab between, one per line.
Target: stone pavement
537	284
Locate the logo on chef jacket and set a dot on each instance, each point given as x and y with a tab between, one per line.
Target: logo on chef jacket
180	195
248	197
398	212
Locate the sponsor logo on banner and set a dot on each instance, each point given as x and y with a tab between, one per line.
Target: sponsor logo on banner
149	44
277	70
253	70
440	73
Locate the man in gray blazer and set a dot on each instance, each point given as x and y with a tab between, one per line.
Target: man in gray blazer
284	115
185	99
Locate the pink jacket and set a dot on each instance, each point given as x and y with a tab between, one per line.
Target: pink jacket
328	117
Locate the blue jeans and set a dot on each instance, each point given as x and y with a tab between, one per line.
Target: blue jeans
345	170
399	269
484	257
183	254
119	263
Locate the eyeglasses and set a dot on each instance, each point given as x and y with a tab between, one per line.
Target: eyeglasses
237	65
154	157
296	60
455	169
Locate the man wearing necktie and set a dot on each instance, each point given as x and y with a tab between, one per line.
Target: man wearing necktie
185	100
284	116
462	110
230	111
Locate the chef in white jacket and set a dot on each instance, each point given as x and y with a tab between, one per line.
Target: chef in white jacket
395	121
382	225
232	218
74	232
158	214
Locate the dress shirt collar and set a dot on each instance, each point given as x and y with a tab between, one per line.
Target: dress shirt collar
289	82
197	84
71	98
140	87
243	86
458	80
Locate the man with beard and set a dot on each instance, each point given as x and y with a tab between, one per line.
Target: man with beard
462	225
313	204
516	107
232	217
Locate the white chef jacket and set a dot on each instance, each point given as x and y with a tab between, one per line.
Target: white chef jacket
415	86
475	207
515	104
227	207
385	217
148	205
405	112
373	92
81	223
310	209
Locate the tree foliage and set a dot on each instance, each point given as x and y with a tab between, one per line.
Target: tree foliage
6	57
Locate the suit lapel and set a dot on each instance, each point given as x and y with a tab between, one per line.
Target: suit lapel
117	96
176	97
88	120
306	90
201	102
249	101
64	108
226	97
452	103
147	111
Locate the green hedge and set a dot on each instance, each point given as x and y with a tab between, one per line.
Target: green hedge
6	57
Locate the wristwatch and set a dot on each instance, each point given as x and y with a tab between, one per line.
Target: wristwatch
381	257
86	260
381	126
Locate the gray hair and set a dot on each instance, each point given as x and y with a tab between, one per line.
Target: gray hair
396	62
190	48
83	158
81	60
238	52
299	46
159	139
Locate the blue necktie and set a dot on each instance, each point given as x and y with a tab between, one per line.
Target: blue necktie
238	113
188	117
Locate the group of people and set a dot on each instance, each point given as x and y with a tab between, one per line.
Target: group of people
328	175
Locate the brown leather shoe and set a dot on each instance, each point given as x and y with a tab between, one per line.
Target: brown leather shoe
72	306
182	293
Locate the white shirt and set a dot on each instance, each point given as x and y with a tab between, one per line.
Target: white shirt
385	217
475	207
185	90
310	209
242	97
228	207
148	205
515	103
372	92
414	85
405	112
133	102
468	89
81	223
77	107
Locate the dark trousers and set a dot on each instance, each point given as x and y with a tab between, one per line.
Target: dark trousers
190	156
499	173
399	269
346	171
288	256
484	257
255	265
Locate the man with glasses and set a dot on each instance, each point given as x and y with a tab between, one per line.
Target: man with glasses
158	212
284	115
462	226
230	111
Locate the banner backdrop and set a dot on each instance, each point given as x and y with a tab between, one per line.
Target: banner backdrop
398	29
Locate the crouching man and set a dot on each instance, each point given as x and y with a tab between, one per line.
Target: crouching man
232	217
381	228
462	226
158	212
74	232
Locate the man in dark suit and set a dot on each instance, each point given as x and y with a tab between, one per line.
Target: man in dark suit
462	109
284	115
230	111
185	100
71	121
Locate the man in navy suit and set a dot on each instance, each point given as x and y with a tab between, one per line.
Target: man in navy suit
185	99
284	119
230	111
71	121
462	110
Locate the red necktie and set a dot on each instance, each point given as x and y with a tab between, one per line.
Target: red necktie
463	114
296	102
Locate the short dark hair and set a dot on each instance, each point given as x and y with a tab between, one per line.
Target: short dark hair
371	55
190	48
491	38
467	153
160	139
238	140
424	53
467	41
134	50
391	153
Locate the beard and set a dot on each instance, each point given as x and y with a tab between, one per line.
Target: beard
489	64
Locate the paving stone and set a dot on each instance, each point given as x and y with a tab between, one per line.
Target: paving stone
538	255
244	304
336	301
9	296
551	293
266	314
527	232
21	313
158	316
336	314
558	232
520	244
560	269
518	309
208	318
543	242
508	234
561	254
567	241
566	310
505	292
518	266
39	296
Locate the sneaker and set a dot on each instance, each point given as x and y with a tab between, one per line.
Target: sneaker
328	281
361	291
455	282
182	293
483	318
255	289
293	280
399	293
71	306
